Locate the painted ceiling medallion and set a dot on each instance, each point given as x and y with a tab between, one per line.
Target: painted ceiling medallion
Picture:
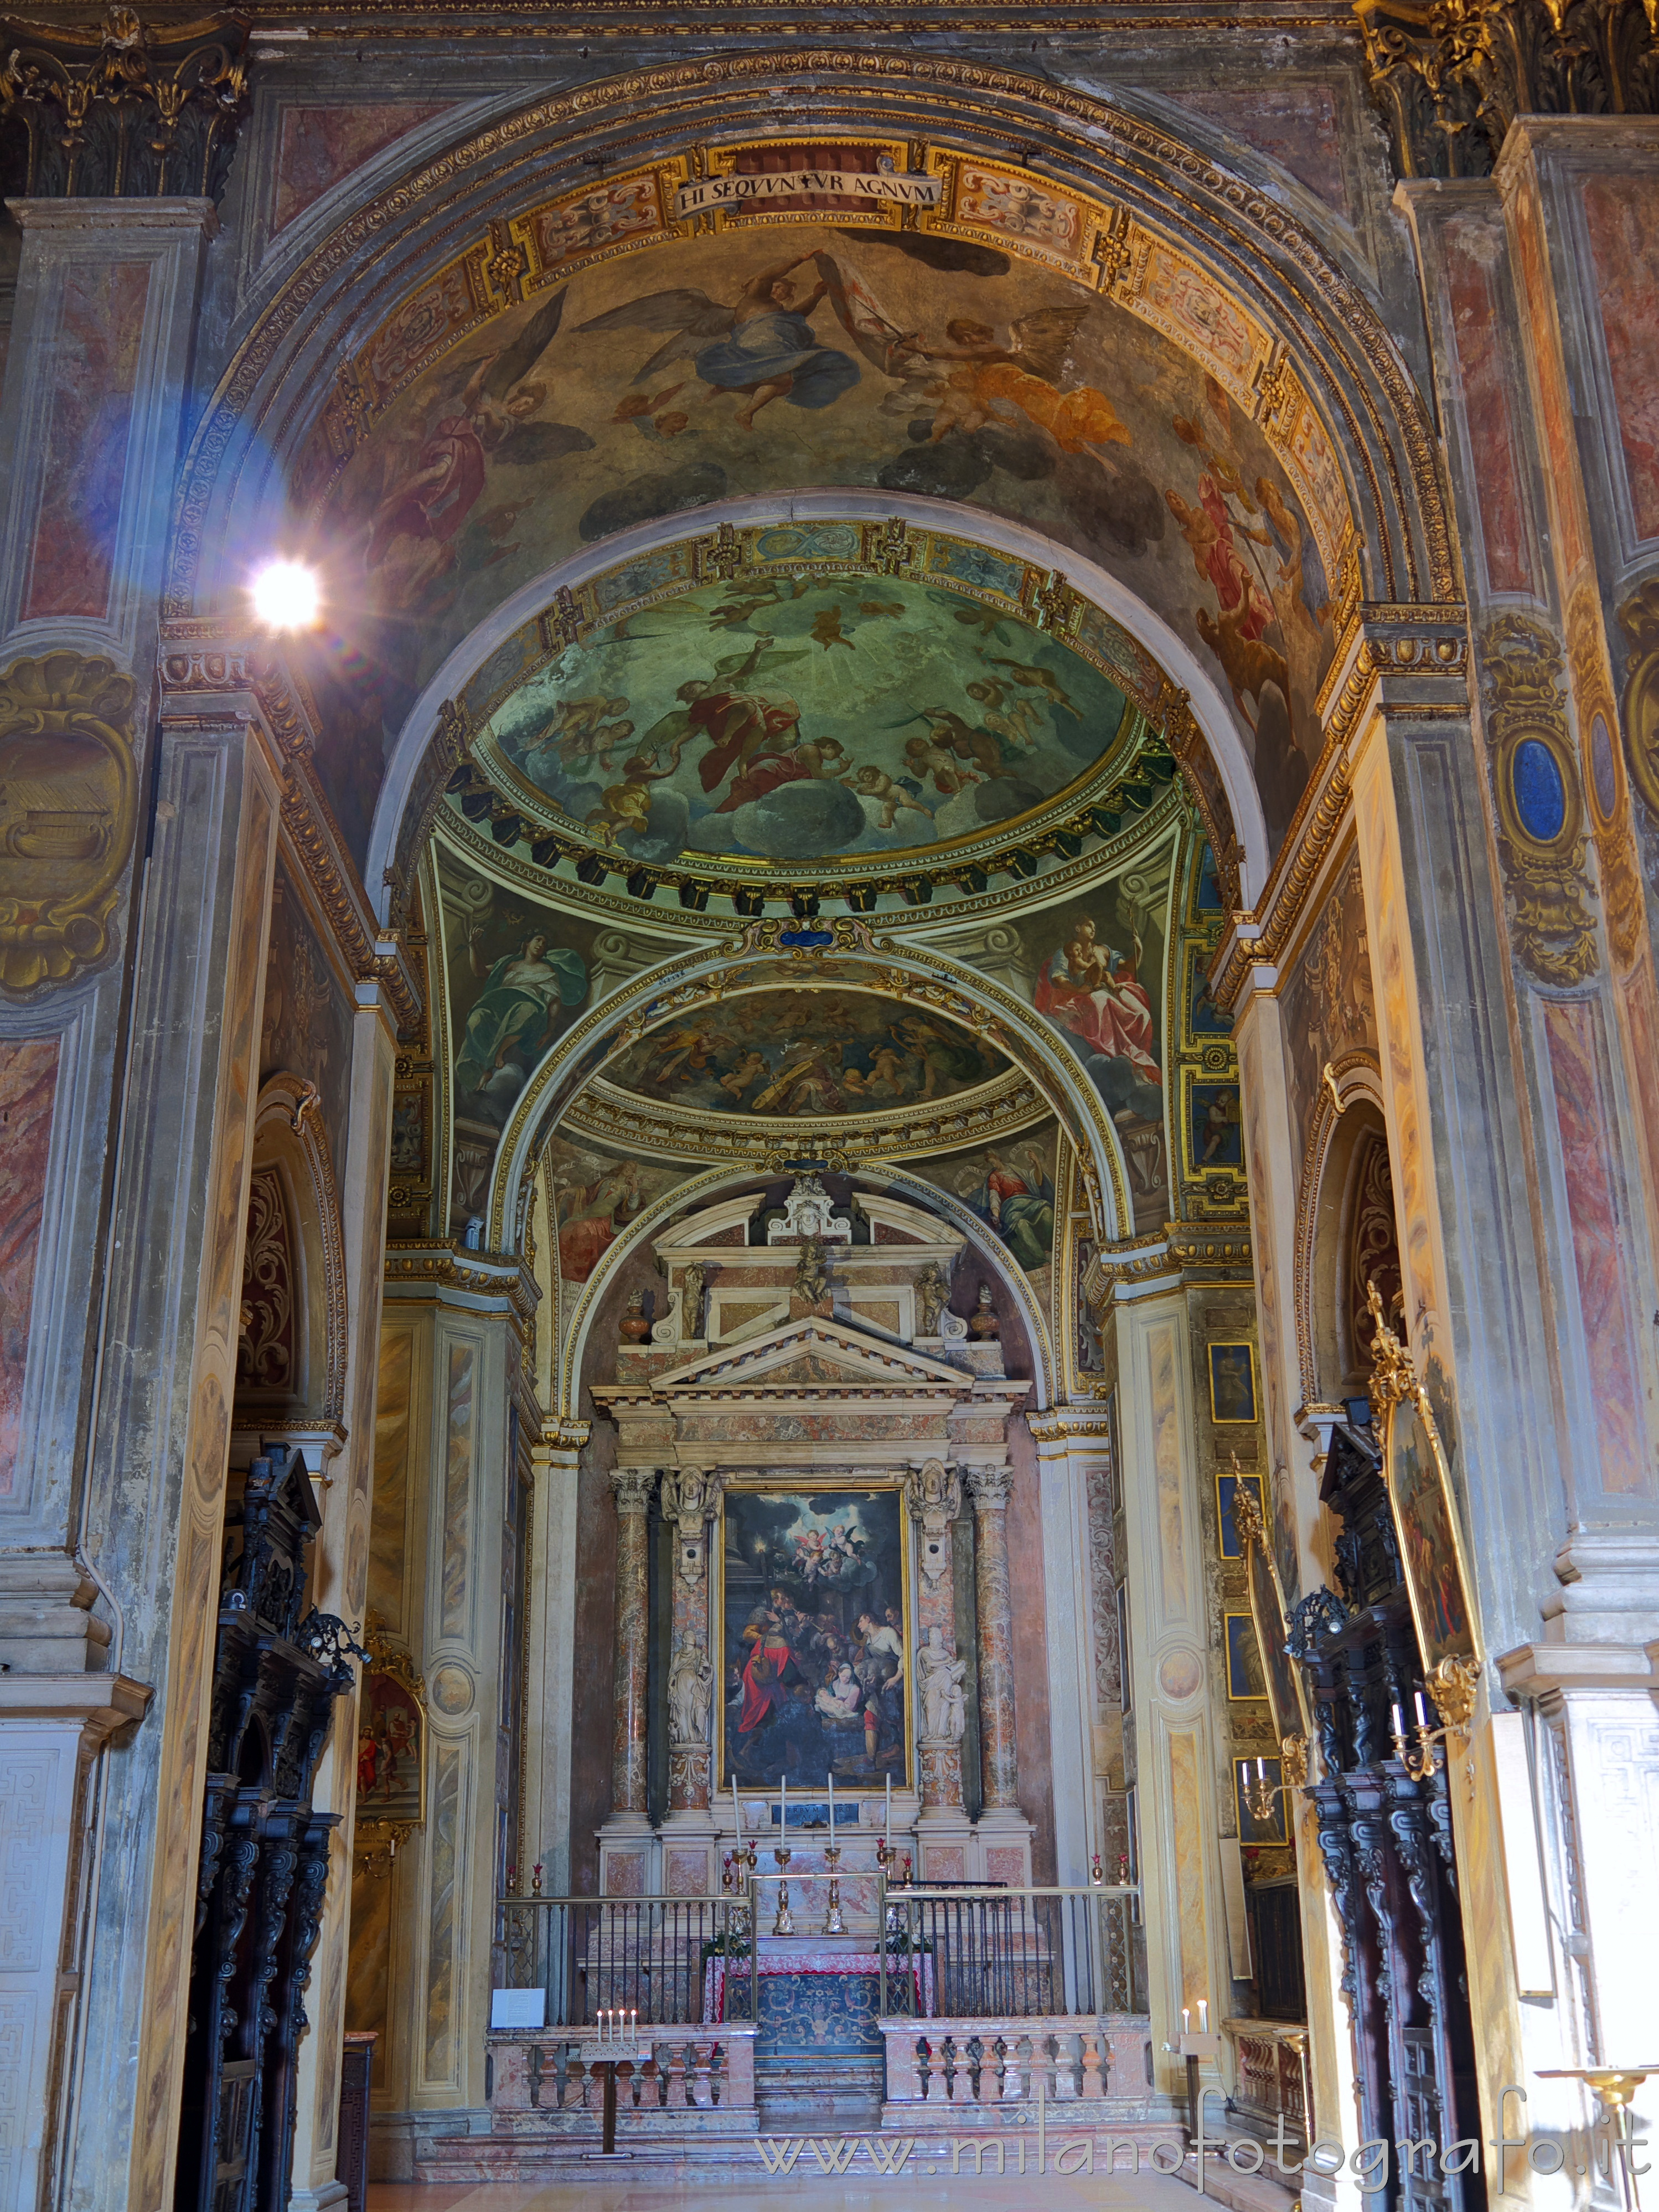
820	697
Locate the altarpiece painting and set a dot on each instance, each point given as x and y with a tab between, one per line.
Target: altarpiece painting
816	1633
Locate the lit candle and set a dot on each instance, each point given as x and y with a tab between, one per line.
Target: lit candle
1395	1723
1203	2017
1186	2020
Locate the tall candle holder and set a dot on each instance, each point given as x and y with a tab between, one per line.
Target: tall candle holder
833	1923
885	1854
784	1924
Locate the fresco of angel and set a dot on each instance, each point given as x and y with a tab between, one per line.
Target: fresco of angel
762	345
1029	374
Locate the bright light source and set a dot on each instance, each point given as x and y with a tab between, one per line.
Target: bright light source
285	595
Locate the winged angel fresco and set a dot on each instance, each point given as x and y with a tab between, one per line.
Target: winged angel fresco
487	408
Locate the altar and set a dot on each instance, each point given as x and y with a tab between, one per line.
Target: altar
818	1996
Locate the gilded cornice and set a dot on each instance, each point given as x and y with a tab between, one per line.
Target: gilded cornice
632	19
615	1118
1409	661
431	1269
194	670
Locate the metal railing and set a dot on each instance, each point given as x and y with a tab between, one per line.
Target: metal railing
647	1955
961	1953
1006	1953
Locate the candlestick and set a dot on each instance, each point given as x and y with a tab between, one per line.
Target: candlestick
1395	1724
1186	2020
1203	2017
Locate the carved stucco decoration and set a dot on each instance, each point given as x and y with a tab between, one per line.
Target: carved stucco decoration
69	813
1639	618
1540	814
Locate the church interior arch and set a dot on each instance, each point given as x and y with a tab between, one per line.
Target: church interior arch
755	1091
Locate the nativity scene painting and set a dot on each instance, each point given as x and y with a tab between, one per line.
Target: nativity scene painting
731	364
816	1639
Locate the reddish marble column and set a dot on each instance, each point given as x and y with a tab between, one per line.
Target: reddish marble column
633	1486
999	1763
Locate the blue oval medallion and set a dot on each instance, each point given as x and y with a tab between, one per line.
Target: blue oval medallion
1604	770
1541	797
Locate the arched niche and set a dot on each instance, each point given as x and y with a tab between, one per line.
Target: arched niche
718	1202
1346	1233
1285	331
292	1346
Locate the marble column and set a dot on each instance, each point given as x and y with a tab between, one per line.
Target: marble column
632	1488
932	1492
999	1761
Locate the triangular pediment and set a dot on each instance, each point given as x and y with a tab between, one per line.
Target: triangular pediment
816	1353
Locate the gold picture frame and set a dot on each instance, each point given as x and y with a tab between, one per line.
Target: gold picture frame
1427	1525
739	1488
391	1741
1234	1397
1287	1696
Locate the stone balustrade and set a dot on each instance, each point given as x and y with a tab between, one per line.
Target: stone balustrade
1061	2057
691	2069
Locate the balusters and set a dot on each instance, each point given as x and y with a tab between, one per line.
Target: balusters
1094	2067
936	2083
677	2077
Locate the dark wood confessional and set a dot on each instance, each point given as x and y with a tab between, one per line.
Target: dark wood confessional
264	1868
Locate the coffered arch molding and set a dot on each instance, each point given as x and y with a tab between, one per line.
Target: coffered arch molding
864	961
700	1190
1327	332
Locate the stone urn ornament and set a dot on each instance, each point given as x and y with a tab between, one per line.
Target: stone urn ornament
982	1321
634	1326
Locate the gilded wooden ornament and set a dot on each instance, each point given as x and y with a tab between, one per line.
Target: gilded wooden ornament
1540	813
68	813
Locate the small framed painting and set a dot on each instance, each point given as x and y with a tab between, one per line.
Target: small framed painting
391	1739
1227	1488
1246	1680
1426	1519
1251	1828
1232	1385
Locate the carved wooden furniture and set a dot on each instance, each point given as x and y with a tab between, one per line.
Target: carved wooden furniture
356	2080
1385	1837
264	1866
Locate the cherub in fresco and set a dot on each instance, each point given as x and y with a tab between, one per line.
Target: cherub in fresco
869	782
762	346
923	758
681	1054
627	804
1028	374
581	730
1029	678
948	731
1017	722
743	602
749	1069
827	631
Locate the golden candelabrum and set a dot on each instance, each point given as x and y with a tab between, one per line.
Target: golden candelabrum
784	1924
885	1854
1426	1757
1259	1795
1616	2087
833	1923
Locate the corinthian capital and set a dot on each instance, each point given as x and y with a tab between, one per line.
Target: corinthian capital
633	1486
990	1486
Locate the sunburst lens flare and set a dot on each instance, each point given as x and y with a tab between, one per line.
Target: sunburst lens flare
286	595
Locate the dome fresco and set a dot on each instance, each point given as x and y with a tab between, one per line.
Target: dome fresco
796	717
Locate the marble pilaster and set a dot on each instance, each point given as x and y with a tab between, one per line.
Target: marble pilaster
932	1496
624	1854
550	1686
690	1499
999	1759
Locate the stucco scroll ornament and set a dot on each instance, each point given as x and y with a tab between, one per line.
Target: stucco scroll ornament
939	1673
934	1493
1541	810
68	813
690	1687
1639	620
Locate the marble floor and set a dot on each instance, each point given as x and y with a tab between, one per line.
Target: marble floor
1148	2192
